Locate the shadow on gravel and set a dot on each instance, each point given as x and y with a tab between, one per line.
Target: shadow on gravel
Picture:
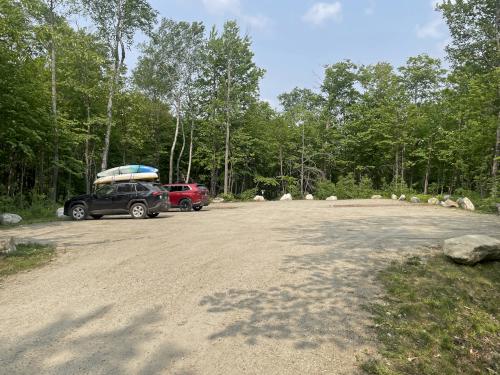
61	348
325	305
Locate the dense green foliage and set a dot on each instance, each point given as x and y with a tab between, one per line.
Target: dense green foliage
191	107
438	318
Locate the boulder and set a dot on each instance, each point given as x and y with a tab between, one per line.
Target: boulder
433	200
394	197
10	219
402	197
472	248
60	213
446	197
466	204
259	198
331	198
449	203
376	196
8	245
286	197
309	197
218	200
415	200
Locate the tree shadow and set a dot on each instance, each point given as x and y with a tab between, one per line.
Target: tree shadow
73	345
325	302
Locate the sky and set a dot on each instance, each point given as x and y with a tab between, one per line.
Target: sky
294	39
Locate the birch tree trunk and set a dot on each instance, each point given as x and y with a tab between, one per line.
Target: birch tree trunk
188	175
87	152
181	152
174	142
226	155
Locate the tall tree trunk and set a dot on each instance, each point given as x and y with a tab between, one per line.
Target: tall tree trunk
87	151
427	170
188	175
226	154
302	161
496	158
55	171
281	171
117	65
174	142
181	152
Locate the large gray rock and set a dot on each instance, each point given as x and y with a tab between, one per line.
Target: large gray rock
286	197
472	248
415	200
394	197
402	197
331	198
449	203
433	200
376	196
466	204
446	197
259	198
10	219
309	197
8	245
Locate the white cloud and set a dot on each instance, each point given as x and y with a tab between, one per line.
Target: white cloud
222	6
233	8
322	12
432	29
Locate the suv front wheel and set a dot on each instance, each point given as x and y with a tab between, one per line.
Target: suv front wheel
78	212
138	211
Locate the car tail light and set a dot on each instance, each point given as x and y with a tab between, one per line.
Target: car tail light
157	193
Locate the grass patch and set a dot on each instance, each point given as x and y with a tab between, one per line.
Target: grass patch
438	317
24	258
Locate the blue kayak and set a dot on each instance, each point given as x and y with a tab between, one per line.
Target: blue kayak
127	169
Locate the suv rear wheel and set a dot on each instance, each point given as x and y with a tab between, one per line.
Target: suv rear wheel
186	205
138	211
78	212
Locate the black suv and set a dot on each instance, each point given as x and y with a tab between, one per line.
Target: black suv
140	199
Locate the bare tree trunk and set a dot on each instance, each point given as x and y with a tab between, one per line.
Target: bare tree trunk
181	152
396	169
118	61
55	171
281	171
496	158
226	155
302	162
427	170
87	152
172	149
188	175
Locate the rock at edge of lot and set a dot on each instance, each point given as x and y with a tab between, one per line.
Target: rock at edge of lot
60	213
217	200
433	200
8	245
415	200
394	197
259	198
331	198
10	218
466	204
402	197
309	197
286	197
450	203
376	196
472	248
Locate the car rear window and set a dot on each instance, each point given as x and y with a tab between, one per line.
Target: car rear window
140	187
125	188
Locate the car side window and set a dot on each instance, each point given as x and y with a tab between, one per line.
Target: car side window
105	191
141	188
185	188
125	188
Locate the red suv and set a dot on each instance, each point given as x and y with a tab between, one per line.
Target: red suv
187	196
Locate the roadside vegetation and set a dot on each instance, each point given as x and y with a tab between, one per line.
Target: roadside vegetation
439	318
26	257
33	208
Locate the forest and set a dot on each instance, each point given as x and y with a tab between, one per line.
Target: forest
70	107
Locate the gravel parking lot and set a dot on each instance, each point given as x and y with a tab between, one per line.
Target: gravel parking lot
243	288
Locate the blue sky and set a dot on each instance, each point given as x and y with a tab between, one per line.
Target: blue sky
294	39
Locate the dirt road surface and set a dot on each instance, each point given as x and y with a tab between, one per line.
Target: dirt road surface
244	288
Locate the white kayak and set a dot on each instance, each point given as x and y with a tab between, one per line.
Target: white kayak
126	177
127	169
